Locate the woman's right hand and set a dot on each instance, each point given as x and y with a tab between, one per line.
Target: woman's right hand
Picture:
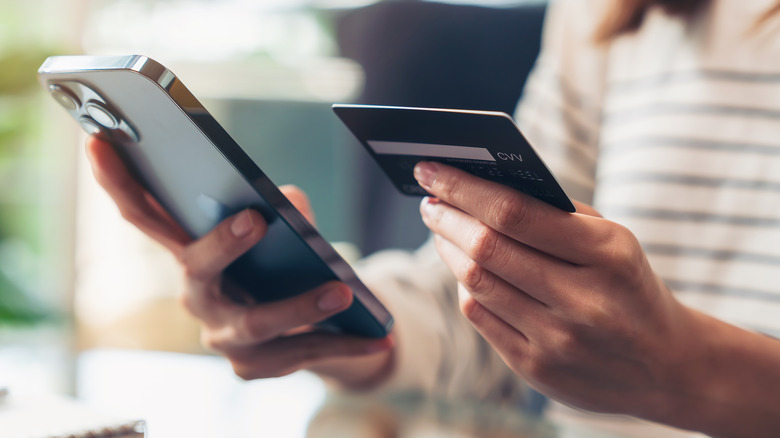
260	340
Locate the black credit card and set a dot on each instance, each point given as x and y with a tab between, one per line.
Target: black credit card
484	143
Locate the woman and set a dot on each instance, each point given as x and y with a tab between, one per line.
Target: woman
662	114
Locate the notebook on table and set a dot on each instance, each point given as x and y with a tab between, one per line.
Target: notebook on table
39	416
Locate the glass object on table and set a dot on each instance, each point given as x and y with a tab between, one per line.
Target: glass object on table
415	416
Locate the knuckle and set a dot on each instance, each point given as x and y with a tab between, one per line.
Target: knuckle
545	364
599	322
540	368
251	328
191	269
483	244
192	305
528	361
209	341
193	274
184	300
624	249
511	214
594	316
445	188
186	261
624	255
472	310
473	276
569	345
566	342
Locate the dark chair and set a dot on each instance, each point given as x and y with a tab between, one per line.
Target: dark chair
437	55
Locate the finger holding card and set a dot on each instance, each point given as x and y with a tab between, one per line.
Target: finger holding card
568	300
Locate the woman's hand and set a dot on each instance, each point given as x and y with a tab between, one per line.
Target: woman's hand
568	300
570	303
263	340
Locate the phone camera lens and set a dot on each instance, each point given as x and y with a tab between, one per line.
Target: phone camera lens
102	115
64	97
89	125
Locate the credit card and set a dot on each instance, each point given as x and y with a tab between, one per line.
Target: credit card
484	143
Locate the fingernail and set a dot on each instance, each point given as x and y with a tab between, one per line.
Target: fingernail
427	204
242	224
332	300
425	173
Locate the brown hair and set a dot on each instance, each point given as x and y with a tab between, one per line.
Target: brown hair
627	15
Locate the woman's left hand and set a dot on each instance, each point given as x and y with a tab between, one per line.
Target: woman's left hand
569	301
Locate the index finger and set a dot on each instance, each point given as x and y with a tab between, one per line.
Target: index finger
568	236
135	204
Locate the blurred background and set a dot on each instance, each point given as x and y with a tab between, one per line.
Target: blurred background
87	303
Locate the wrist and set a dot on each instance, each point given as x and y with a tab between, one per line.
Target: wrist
675	368
361	373
689	375
724	384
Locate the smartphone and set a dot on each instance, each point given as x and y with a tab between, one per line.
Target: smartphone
484	143
200	175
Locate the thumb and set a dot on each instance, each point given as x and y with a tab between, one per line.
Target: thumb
298	198
586	209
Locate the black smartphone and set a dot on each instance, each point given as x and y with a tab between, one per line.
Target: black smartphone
484	143
198	173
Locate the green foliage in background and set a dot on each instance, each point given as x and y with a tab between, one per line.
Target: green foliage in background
20	204
17	99
18	73
17	308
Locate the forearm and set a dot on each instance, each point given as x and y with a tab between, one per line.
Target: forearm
732	389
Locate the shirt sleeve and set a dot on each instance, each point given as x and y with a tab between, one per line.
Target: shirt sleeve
561	106
438	352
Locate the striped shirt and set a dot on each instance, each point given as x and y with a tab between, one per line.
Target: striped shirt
672	131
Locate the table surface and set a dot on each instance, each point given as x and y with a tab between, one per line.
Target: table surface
199	396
